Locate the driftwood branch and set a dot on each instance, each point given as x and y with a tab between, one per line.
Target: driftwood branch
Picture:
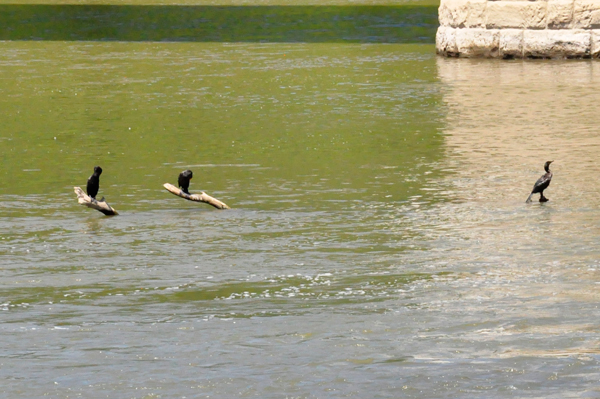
196	197
90	202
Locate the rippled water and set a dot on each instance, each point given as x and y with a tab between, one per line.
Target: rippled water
378	243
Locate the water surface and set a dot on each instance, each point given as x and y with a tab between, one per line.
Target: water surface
379	245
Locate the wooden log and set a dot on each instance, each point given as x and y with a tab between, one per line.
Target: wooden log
90	202
196	197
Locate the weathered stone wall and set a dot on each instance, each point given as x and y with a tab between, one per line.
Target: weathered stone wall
519	29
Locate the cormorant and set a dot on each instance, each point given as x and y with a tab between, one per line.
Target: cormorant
542	183
93	183
184	180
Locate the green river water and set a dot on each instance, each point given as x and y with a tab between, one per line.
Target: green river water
378	245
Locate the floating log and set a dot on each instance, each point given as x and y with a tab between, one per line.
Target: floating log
196	197
90	202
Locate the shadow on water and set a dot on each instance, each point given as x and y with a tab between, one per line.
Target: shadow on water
279	24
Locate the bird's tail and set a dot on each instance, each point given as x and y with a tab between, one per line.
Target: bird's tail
529	198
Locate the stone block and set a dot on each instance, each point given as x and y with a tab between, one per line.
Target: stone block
560	14
462	13
445	41
445	14
595	45
504	14
516	14
586	14
519	28
564	43
477	42
510	43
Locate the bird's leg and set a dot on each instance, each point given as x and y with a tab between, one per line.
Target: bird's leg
542	198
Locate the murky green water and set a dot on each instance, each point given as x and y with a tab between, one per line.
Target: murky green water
379	245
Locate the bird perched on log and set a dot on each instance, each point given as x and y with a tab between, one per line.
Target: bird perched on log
184	180
542	183
93	183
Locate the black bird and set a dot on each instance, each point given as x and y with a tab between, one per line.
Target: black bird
542	183
93	184
184	180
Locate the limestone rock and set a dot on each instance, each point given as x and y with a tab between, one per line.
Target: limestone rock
511	43
560	14
462	13
516	14
567	43
595	43
519	28
477	42
446	42
586	14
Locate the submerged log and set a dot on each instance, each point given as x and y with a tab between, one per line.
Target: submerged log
196	197
90	202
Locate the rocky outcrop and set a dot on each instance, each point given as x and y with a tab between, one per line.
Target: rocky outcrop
519	29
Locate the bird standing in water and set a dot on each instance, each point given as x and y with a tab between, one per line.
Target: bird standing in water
184	180
93	183
542	183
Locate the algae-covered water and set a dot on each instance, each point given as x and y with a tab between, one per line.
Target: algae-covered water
378	245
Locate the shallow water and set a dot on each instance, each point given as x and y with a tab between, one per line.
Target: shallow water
378	243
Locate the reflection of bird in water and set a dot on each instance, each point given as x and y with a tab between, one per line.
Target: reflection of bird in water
184	180
93	183
542	183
